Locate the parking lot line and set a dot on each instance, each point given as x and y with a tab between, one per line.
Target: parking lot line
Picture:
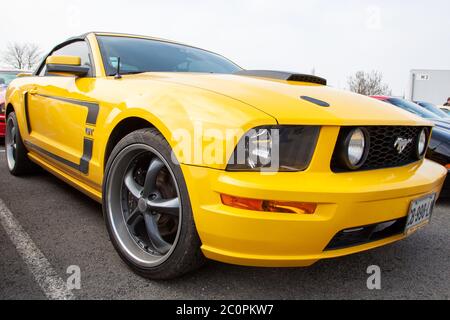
53	286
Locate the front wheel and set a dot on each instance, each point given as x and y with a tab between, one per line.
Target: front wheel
147	209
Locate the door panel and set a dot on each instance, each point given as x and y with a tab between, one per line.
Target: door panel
61	118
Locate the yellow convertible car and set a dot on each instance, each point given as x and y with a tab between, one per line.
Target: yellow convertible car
193	156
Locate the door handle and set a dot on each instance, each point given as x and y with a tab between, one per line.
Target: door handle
33	91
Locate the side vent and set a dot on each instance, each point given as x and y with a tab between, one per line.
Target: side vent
283	75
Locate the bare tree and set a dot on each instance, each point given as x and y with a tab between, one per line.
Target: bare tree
368	83
22	56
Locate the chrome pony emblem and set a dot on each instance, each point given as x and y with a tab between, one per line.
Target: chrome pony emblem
401	144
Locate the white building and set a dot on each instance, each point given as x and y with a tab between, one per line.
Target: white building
429	85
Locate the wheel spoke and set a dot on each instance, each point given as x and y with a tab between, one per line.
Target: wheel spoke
135	223
150	179
165	206
131	219
132	185
154	235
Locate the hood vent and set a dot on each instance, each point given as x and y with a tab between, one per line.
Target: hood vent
283	75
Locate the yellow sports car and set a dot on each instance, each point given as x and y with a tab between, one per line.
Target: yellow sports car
193	156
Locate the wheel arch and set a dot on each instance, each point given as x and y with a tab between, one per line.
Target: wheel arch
121	129
9	109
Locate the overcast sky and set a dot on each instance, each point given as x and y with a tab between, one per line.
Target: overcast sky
336	38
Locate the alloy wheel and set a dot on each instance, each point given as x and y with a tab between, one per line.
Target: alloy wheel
143	205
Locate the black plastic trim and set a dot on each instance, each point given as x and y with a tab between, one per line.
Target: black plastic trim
75	70
316	101
27	117
357	236
283	75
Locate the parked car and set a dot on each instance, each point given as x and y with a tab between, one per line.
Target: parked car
193	156
433	109
439	147
2	114
6	76
445	109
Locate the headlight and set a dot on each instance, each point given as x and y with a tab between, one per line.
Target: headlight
353	150
422	143
275	148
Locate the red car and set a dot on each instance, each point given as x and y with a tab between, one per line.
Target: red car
6	77
2	113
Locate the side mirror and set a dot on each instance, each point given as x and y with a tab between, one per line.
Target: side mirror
69	65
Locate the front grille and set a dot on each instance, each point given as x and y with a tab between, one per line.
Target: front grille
361	235
382	151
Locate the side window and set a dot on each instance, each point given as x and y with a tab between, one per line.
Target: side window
78	48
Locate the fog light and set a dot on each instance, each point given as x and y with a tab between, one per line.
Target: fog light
422	143
356	147
269	205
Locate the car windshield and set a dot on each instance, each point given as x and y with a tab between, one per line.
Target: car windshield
6	77
413	108
432	108
145	55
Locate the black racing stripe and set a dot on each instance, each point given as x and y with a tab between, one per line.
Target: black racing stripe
88	146
83	166
52	155
93	107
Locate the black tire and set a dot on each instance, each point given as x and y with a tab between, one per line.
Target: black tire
16	154
185	254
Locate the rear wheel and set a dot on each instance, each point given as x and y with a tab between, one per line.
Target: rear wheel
147	208
16	153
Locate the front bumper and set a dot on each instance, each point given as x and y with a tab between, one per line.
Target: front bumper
345	200
2	125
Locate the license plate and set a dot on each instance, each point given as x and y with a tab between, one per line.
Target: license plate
419	213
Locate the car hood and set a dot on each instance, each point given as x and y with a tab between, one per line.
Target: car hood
282	99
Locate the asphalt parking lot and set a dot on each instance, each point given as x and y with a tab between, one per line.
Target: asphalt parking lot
67	227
